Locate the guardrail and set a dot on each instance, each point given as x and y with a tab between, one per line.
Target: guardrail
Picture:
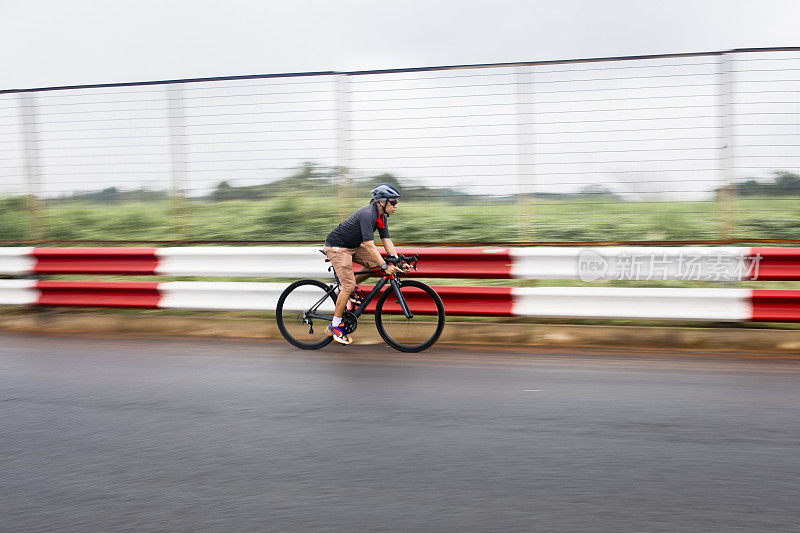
687	263
727	263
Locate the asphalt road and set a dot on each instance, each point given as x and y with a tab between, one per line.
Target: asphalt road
209	435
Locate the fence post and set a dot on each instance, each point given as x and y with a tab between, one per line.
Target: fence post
33	177
178	160
726	197
344	183
526	210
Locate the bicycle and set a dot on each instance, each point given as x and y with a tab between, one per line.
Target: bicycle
411	322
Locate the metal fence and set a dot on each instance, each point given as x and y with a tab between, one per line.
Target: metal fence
679	147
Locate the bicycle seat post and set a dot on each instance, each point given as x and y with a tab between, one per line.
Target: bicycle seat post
335	277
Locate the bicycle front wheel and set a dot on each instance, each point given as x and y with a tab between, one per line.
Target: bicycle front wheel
420	331
303	311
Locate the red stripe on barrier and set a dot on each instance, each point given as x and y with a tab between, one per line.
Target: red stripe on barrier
461	301
95	260
486	263
99	294
477	301
775	264
773	305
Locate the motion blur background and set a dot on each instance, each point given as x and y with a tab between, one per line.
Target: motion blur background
689	146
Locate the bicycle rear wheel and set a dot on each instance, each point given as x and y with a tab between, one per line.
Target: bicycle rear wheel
419	332
294	311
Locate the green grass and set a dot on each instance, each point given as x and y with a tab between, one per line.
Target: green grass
293	217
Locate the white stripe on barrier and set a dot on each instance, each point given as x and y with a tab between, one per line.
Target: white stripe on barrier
587	264
18	292
634	303
256	261
16	260
631	263
220	295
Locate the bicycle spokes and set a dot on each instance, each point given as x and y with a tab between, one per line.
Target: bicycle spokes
296	318
412	321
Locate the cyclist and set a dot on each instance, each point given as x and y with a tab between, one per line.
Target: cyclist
354	241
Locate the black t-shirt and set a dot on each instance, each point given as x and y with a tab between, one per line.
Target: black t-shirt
359	227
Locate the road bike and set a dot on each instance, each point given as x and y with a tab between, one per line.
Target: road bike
409	315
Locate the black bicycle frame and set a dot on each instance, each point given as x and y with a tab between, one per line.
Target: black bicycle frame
311	313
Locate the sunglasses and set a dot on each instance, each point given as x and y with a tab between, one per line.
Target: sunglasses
393	202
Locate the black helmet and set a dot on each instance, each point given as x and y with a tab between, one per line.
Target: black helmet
385	190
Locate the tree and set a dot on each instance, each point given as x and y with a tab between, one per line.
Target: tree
596	190
223	191
787	184
784	184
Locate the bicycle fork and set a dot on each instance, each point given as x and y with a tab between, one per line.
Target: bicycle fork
400	300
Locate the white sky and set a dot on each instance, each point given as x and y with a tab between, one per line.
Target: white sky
56	42
53	43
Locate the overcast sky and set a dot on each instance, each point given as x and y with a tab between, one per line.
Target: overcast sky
642	128
55	42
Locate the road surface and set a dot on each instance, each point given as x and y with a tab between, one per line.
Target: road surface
141	435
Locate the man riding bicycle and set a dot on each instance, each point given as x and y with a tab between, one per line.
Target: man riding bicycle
354	241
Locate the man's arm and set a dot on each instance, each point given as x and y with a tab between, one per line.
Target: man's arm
373	250
388	245
370	246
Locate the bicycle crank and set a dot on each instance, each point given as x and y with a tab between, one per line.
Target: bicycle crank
350	322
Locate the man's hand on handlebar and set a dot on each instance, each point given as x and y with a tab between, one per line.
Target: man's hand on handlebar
405	263
392	269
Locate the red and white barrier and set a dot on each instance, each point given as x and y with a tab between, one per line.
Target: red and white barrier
626	263
633	263
223	295
17	261
18	292
638	303
588	264
573	302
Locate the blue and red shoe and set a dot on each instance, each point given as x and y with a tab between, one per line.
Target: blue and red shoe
357	297
338	334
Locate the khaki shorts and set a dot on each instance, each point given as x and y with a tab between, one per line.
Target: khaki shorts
342	260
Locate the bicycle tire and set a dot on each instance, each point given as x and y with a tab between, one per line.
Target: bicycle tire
296	315
428	304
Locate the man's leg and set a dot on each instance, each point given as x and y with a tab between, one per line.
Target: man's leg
341	303
342	261
335	328
364	258
362	277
